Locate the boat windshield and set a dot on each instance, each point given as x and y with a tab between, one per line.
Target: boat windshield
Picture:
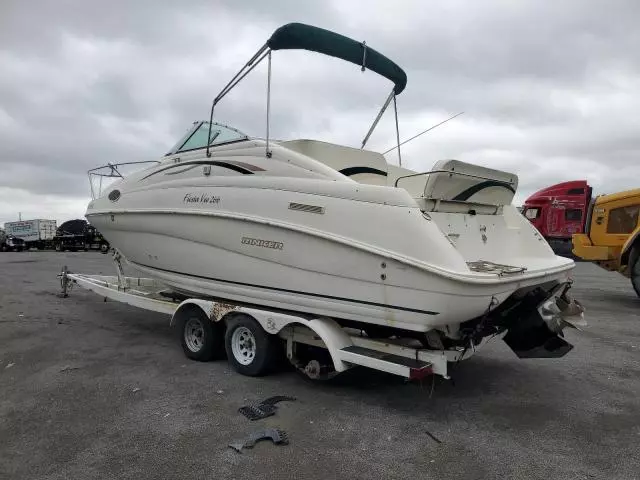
198	134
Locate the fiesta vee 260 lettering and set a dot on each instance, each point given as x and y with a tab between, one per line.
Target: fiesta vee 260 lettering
203	198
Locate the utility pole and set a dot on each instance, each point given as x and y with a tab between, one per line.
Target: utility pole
20	216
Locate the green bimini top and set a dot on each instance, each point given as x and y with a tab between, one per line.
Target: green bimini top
307	37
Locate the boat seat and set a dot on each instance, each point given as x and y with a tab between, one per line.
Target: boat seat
453	182
457	187
362	166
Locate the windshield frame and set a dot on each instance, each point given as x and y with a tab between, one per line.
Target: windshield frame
178	147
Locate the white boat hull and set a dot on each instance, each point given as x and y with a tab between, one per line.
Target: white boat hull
223	255
299	236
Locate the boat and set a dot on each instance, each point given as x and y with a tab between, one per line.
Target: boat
337	231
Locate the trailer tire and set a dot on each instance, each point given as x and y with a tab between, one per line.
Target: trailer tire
201	339
634	268
251	351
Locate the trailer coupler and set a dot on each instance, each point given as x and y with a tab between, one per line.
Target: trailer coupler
65	282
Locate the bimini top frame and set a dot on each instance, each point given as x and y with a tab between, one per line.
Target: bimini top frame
299	36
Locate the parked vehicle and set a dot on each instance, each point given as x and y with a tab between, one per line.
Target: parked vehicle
37	233
77	235
558	212
9	243
612	235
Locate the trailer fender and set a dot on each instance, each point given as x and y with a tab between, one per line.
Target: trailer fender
215	311
326	330
333	337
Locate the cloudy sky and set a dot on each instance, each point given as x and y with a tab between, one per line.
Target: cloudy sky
550	90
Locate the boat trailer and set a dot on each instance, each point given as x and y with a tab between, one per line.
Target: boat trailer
318	346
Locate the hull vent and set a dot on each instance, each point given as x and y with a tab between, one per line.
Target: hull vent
306	208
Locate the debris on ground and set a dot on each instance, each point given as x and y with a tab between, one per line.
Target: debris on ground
264	409
9	365
68	368
257	412
433	437
279	437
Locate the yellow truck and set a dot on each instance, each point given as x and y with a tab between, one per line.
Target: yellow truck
611	235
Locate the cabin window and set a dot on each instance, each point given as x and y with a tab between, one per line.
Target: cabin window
623	220
573	214
575	191
532	213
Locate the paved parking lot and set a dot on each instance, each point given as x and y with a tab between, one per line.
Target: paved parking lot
90	389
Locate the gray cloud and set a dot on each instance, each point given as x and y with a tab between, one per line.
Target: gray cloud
549	88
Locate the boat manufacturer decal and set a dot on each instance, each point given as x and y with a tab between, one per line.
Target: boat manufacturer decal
203	198
257	242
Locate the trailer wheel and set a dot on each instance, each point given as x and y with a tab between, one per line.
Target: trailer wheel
201	339
250	350
634	268
104	248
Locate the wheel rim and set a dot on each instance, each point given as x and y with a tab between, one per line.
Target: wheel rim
194	334
243	345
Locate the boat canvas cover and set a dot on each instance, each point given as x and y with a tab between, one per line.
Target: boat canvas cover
307	37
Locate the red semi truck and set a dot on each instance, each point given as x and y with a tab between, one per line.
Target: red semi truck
558	212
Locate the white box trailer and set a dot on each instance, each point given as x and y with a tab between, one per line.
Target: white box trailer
37	233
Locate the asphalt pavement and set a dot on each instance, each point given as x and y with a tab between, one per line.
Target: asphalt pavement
95	389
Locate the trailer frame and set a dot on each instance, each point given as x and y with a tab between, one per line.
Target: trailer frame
347	347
